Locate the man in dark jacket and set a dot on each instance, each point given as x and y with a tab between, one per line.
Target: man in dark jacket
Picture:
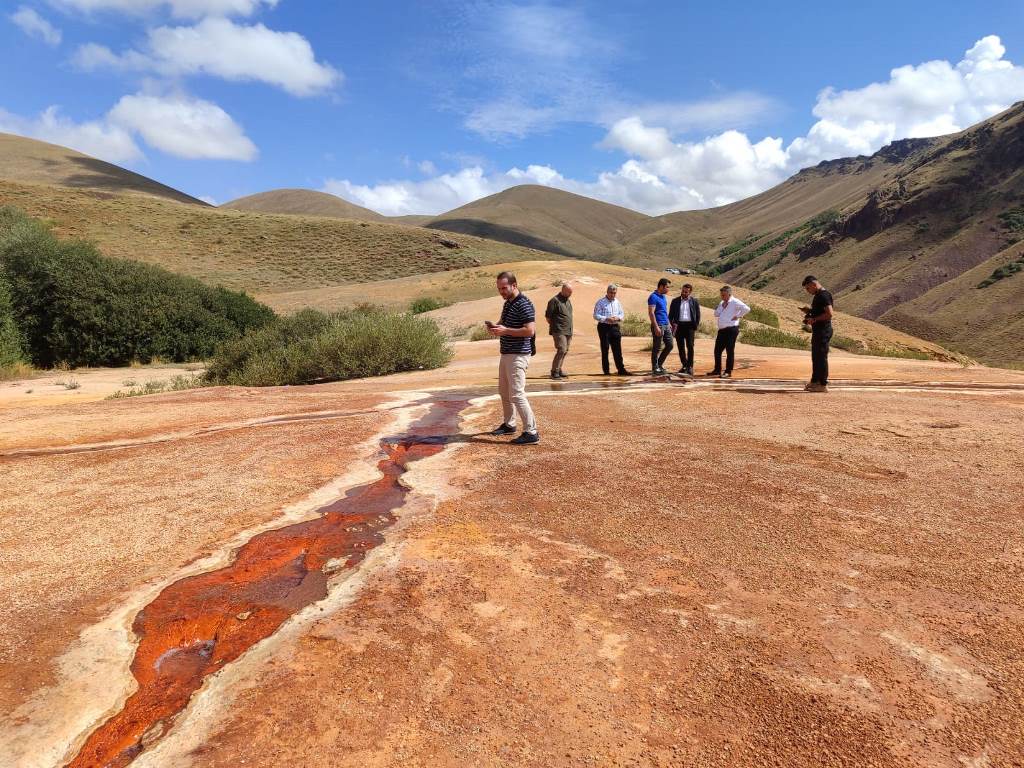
819	317
559	317
684	314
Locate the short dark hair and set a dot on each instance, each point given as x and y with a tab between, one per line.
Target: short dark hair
664	281
809	279
687	285
726	288
506	275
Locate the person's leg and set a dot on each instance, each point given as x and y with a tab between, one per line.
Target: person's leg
666	337
656	341
826	342
615	339
719	349
820	339
568	343
689	334
561	347
505	370
680	346
730	348
602	334
519	365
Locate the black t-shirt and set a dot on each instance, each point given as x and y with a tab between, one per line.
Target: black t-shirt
819	302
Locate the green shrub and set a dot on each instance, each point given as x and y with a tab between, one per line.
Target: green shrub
761	336
157	386
427	304
1013	219
10	339
312	347
762	282
75	306
850	345
635	325
763	316
1001	273
480	333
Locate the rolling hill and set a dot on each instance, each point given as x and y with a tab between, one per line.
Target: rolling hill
305	202
543	218
36	162
923	236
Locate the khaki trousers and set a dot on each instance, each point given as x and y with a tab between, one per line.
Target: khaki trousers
512	387
562	343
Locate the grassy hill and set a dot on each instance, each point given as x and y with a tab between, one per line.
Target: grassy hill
305	202
250	251
543	218
28	160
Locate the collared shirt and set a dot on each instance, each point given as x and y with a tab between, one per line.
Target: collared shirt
729	316
559	315
684	310
605	309
660	305
517	313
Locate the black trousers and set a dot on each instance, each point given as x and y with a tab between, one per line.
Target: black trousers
821	337
685	333
725	341
611	337
661	347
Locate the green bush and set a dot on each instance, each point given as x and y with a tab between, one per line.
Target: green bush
850	345
74	306
427	304
1013	219
761	336
762	282
10	339
763	316
635	325
480	333
313	347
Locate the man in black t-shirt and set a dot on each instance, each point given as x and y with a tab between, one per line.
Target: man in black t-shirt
819	317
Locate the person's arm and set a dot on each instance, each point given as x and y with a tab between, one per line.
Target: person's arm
528	330
695	306
600	311
655	328
824	317
617	315
741	309
550	311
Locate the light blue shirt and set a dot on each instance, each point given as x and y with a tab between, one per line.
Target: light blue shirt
605	309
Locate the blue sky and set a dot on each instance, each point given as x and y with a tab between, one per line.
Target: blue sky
416	107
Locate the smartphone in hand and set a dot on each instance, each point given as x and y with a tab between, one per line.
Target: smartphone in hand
489	324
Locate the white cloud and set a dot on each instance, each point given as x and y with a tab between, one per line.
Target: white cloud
222	48
34	25
190	9
177	124
95	137
183	126
664	174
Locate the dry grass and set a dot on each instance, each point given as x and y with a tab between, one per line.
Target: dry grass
251	251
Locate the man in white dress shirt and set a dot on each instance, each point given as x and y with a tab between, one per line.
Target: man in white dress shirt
609	314
728	314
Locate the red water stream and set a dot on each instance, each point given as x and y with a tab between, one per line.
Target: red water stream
201	623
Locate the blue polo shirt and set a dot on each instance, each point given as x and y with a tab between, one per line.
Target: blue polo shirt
660	308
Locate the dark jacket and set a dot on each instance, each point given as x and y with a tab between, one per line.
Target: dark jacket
673	310
559	315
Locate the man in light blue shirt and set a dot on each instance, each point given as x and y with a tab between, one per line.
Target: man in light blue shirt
609	313
661	332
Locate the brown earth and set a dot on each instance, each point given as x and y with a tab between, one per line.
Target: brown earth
702	574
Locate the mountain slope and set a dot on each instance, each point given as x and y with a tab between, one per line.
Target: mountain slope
543	218
305	202
37	162
258	252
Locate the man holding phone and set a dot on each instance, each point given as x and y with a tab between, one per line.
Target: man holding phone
515	331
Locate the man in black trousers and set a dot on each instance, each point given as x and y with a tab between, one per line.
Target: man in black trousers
819	317
609	314
684	314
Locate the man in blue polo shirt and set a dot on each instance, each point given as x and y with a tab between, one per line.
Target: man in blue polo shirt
661	332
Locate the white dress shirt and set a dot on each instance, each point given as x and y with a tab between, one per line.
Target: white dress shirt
729	316
605	309
684	311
